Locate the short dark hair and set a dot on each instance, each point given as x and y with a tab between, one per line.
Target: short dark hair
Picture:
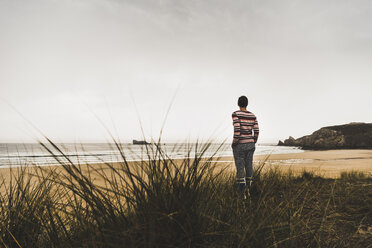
243	101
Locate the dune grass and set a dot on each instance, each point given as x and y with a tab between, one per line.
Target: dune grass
161	202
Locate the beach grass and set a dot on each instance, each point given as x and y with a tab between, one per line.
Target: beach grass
161	202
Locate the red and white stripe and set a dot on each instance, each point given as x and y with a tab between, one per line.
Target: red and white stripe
246	128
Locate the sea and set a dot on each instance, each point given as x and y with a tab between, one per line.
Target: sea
33	154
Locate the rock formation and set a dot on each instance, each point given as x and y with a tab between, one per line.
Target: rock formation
352	136
140	142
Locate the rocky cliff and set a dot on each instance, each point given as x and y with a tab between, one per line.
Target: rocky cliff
353	135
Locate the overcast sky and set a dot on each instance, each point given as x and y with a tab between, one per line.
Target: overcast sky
64	64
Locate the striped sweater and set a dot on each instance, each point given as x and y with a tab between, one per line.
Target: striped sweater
244	123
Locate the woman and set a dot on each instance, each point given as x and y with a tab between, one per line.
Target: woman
245	137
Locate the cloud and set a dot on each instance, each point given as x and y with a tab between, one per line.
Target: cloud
283	54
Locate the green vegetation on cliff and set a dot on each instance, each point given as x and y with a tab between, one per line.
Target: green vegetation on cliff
349	136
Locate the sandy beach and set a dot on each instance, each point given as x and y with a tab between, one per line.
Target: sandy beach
328	163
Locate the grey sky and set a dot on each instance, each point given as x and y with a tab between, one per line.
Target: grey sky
302	64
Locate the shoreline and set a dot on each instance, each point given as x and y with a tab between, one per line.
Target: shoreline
326	163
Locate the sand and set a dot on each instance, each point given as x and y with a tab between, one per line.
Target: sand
328	163
325	163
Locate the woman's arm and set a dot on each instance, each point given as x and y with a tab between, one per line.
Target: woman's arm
256	130
236	124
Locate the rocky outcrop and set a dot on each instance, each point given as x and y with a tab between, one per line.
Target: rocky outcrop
352	136
140	142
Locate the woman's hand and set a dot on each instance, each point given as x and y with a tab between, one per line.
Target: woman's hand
234	144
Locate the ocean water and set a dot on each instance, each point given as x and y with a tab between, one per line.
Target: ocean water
16	154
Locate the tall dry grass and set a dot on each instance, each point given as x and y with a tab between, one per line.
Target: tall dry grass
160	202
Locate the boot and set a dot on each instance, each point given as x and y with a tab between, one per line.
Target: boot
241	186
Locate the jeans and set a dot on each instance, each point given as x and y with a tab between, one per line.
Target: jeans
243	156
